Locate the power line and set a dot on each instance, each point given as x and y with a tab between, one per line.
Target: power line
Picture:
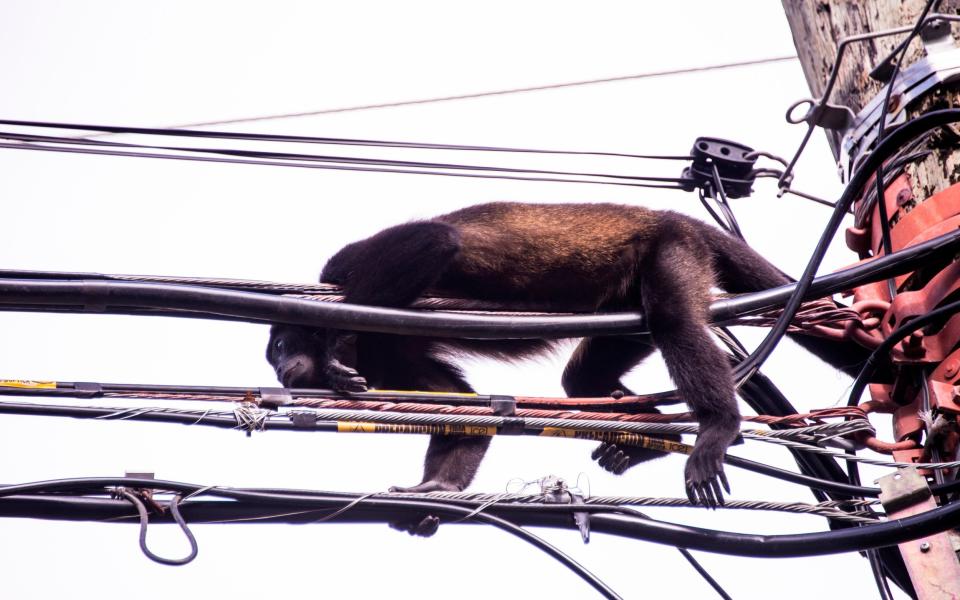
503	92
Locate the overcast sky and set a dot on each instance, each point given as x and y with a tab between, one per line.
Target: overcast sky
170	63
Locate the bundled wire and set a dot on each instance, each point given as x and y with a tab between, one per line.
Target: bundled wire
50	499
48	143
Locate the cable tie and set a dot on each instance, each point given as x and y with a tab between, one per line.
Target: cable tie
85	389
503	406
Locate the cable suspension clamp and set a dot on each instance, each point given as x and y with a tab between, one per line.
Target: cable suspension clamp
734	163
556	491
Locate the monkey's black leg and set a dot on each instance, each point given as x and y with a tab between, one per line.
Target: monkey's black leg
595	369
451	461
675	285
391	268
598	364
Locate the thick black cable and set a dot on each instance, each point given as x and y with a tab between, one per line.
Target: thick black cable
880	355
886	148
770	546
123	297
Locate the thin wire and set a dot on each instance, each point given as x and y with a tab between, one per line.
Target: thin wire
320	158
304	139
690	559
881	127
503	92
184	157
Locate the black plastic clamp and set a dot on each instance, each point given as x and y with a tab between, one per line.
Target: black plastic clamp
734	163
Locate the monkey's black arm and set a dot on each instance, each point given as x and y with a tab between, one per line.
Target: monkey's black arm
392	268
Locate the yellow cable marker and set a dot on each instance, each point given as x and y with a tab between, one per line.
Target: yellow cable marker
28	384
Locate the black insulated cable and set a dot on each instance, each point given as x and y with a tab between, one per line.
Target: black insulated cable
884	150
123	297
379	508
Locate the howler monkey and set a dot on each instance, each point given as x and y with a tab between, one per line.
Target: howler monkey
604	256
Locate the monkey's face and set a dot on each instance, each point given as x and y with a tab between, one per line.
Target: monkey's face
297	355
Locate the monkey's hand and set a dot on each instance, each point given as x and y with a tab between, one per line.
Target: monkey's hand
341	354
704	475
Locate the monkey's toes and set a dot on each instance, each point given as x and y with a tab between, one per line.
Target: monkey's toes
422	527
425	487
611	458
703	485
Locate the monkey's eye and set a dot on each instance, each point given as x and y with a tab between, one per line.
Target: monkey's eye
278	345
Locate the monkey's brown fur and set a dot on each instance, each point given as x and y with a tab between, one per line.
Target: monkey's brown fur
603	256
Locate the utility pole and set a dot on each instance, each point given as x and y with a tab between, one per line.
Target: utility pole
920	200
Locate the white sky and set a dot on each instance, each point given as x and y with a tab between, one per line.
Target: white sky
158	64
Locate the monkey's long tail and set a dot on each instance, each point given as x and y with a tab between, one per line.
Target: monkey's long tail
742	269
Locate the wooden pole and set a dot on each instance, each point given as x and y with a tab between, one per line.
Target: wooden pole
818	26
926	368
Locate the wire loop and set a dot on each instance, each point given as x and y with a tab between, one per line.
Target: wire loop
144	521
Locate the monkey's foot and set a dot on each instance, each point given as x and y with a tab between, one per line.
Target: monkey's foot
617	459
342	378
704	476
427	486
420	526
427	525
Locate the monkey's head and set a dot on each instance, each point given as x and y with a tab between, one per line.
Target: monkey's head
297	355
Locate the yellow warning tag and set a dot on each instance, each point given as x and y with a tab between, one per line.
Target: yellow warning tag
28	384
364	427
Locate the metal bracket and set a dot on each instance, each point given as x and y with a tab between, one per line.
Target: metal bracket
941	65
931	561
904	488
828	116
273	398
145	492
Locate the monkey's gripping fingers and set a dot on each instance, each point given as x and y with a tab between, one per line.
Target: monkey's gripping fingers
341	359
704	476
343	378
611	458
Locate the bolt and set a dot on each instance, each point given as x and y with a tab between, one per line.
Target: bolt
904	195
950	369
924	546
913	345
